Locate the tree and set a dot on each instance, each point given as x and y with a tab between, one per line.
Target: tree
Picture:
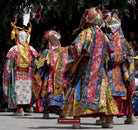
64	14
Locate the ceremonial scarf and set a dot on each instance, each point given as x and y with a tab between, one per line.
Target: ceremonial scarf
53	55
24	53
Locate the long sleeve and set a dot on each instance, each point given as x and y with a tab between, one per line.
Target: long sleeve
39	71
9	64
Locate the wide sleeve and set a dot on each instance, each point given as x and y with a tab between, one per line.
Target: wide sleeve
81	43
78	51
12	53
34	52
39	72
43	59
9	64
110	52
128	68
127	51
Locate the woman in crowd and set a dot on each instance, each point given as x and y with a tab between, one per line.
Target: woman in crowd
50	84
17	78
133	41
89	93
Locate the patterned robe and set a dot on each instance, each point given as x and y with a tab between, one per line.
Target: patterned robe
121	72
22	76
89	92
49	81
135	96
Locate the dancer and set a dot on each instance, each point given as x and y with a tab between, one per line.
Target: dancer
120	67
50	84
89	93
135	93
17	77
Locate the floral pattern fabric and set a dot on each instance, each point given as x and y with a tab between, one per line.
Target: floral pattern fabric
49	81
135	96
121	72
90	51
22	77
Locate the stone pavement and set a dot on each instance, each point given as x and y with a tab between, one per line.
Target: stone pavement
34	121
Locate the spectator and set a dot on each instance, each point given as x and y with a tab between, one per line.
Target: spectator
133	42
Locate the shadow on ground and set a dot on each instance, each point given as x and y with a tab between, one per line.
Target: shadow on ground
65	127
27	117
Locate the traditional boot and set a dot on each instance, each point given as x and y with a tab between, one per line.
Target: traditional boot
130	119
100	121
76	125
46	115
108	123
30	109
60	113
19	112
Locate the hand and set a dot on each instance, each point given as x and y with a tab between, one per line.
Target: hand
134	92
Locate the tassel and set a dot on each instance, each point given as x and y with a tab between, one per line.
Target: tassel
13	34
28	39
136	57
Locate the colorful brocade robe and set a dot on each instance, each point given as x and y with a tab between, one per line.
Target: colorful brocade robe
89	92
121	75
49	81
22	77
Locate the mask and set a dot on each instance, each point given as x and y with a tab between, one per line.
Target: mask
94	16
114	25
112	22
97	20
22	36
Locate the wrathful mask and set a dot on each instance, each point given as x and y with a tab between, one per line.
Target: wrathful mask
22	36
112	21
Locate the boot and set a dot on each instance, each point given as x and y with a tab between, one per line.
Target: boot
30	109
108	123
76	126
100	121
130	119
46	115
19	113
61	115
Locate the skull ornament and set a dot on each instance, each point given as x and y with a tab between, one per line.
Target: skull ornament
22	36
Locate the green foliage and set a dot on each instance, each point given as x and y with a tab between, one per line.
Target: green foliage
64	9
65	14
